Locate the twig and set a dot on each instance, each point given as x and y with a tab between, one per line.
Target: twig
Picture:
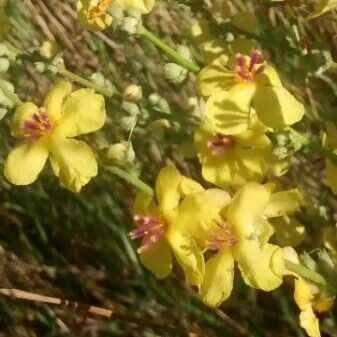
88	309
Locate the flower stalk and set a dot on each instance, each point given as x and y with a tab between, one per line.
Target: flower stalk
175	56
131	179
79	79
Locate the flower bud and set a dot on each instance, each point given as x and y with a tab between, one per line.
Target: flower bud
122	153
130	25
175	73
4	65
159	103
48	49
184	51
128	122
133	93
131	108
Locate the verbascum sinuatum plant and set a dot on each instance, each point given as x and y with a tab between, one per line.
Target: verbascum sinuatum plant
47	131
155	218
94	14
234	85
234	229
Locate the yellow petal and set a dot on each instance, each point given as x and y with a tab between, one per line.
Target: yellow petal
331	174
188	255
73	162
229	111
158	259
261	266
25	162
269	77
309	322
214	78
283	203
83	112
302	294
170	188
54	100
23	112
322	7
242	212
199	211
218	281
276	107
144	205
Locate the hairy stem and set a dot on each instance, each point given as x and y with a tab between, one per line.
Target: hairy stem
131	179
175	56
79	79
306	273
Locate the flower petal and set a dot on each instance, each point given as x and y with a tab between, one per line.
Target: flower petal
198	213
25	162
276	107
82	112
170	188
229	111
188	255
73	162
23	112
283	203
261	266
144	205
309	322
214	78
218	280
322	7
247	204
158	259
54	100
144	6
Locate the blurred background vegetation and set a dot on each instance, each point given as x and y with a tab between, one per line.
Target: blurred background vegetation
57	243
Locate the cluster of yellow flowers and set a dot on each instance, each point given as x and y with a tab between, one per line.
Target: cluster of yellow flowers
205	230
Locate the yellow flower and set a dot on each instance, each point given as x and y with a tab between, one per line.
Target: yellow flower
234	230
94	16
232	160
154	222
237	84
322	7
47	132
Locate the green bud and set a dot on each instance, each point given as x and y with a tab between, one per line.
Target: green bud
131	108
128	122
159	103
135	13
133	93
4	65
184	52
280	152
175	73
154	98
4	100
122	153
130	26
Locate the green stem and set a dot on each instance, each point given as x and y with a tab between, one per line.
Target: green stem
11	95
130	178
85	82
175	56
306	273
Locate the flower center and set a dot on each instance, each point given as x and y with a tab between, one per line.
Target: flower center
98	10
219	143
221	237
37	126
150	229
247	67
